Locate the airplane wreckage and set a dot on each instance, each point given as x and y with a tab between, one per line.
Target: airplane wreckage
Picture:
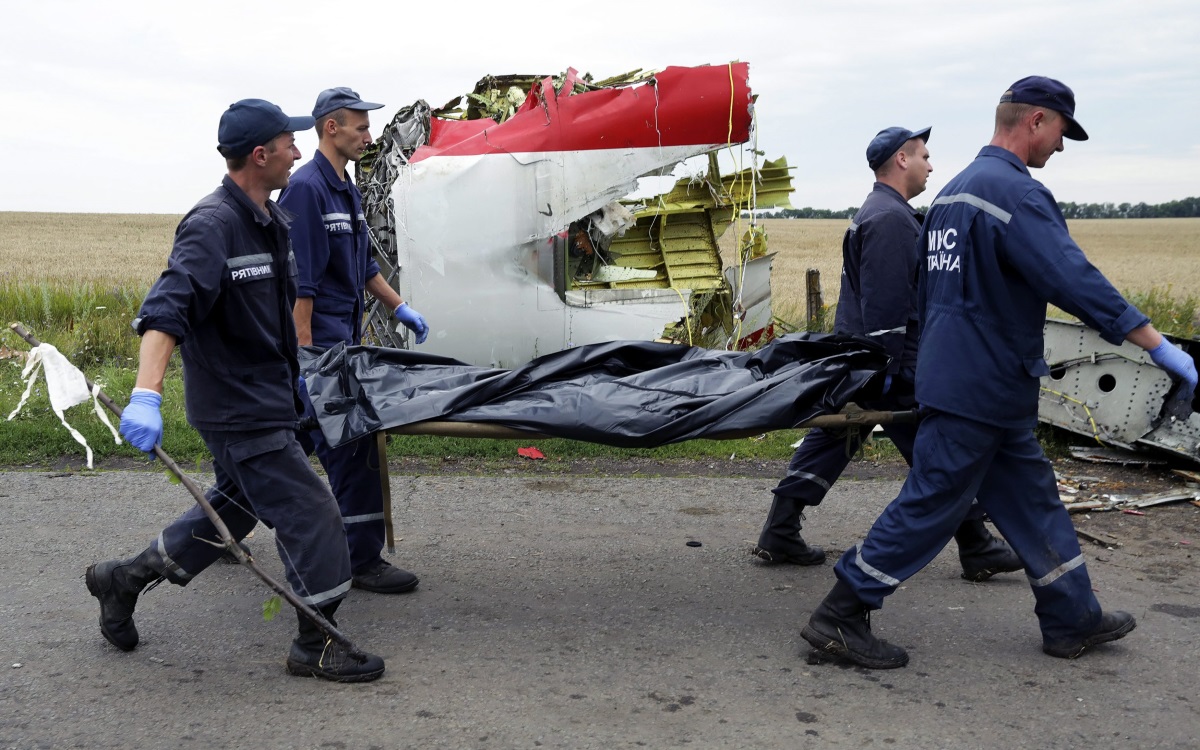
1115	394
505	216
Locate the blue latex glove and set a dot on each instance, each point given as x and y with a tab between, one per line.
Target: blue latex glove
1176	362
887	383
141	420
413	321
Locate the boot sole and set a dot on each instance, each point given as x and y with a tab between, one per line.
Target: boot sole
779	558
825	646
93	587
381	590
1092	640
980	576
299	669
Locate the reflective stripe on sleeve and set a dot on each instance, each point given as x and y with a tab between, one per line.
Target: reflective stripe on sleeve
865	567
1057	573
248	260
336	217
977	202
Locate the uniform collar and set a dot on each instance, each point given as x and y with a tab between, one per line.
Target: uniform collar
894	194
335	181
240	196
1005	155
275	212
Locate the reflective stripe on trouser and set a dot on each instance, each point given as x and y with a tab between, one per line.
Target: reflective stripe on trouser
955	460
353	472
267	472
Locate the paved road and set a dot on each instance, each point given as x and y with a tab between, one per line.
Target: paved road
569	612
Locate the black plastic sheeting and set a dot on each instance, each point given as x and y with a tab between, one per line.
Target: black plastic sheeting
633	394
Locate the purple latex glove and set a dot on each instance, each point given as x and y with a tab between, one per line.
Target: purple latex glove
1176	362
413	321
141	420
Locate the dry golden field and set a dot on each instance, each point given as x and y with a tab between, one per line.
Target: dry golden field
107	249
131	249
1135	254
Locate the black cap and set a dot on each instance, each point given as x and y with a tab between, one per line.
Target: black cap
888	141
340	98
250	123
1051	94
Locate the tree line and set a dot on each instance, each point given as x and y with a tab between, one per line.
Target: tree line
1186	208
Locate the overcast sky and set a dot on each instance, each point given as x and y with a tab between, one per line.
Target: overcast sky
113	106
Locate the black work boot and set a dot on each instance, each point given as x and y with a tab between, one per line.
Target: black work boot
315	655
981	554
780	541
116	584
1112	626
841	627
384	578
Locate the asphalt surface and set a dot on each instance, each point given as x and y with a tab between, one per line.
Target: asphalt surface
570	612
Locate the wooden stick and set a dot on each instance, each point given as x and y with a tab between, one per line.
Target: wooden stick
500	432
230	545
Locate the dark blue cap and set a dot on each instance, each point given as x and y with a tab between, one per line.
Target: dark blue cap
340	98
888	141
1051	94
250	123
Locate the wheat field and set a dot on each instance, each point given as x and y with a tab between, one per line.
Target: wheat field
1135	254
131	249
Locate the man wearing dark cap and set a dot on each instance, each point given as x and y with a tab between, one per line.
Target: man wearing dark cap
335	265
996	251
226	299
878	295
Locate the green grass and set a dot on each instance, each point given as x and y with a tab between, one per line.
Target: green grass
35	437
89	323
1170	314
769	446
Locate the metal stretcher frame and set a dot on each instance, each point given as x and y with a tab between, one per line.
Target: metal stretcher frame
850	418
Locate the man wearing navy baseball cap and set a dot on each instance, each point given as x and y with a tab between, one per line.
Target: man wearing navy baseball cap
226	299
890	140
1039	91
996	251
336	265
878	295
254	122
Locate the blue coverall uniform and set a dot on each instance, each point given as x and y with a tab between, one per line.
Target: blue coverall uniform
878	292
880	256
996	250
334	260
226	296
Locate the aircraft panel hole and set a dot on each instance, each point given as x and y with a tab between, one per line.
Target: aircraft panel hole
1058	373
1107	383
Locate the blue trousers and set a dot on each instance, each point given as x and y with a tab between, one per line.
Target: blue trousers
353	471
265	475
955	460
817	463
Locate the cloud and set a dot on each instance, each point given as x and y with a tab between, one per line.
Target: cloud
114	106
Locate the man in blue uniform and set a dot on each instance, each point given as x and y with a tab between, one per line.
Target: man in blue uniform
878	296
335	265
996	250
226	299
